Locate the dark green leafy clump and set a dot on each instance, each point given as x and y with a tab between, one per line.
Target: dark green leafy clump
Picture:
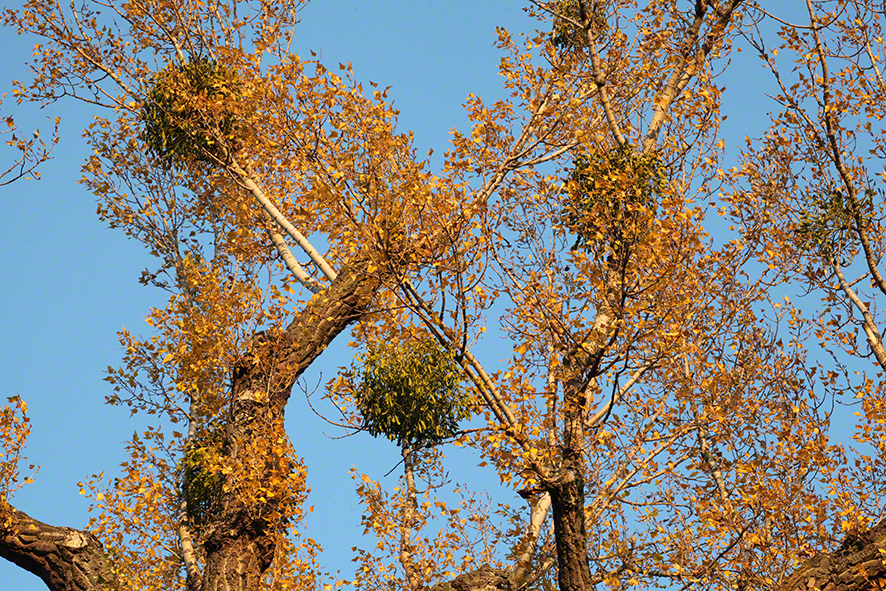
611	196
411	393
832	221
191	111
200	484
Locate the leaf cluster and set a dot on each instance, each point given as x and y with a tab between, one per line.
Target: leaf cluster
832	219
190	111
610	194
411	393
201	484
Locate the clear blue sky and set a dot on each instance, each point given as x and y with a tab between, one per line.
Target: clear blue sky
68	283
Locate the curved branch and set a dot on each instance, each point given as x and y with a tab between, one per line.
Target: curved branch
66	559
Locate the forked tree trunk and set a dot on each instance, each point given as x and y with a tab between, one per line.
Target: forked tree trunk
240	545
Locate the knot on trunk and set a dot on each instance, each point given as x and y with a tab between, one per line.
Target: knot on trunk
484	578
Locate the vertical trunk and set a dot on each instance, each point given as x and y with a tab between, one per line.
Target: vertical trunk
568	495
240	543
568	502
567	490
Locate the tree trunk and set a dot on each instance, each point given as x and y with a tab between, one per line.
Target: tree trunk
568	504
65	558
240	543
859	564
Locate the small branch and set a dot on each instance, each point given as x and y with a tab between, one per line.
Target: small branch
600	414
870	328
600	81
483	382
684	71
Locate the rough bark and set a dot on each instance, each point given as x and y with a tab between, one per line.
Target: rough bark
859	564
567	490
568	503
240	544
67	559
484	578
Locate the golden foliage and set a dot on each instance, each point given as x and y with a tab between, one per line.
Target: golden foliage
643	346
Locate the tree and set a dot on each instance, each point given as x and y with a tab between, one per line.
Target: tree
661	427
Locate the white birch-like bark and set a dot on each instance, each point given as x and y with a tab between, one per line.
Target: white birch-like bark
406	561
869	326
194	579
250	185
293	265
540	507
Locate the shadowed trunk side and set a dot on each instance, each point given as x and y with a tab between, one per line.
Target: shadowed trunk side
240	545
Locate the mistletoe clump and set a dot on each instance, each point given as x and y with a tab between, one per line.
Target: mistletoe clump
190	111
833	219
611	195
411	393
201	485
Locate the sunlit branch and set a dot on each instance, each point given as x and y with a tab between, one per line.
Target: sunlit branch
29	160
481	379
556	14
870	328
600	81
609	493
791	25
194	578
150	14
406	525
613	400
837	156
552	320
245	180
189	555
96	64
685	71
512	160
541	504
475	372
855	282
716	473
702	432
873	62
293	265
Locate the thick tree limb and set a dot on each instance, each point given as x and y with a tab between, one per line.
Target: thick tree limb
241	543
67	559
857	565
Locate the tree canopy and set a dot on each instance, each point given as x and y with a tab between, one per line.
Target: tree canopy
663	416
